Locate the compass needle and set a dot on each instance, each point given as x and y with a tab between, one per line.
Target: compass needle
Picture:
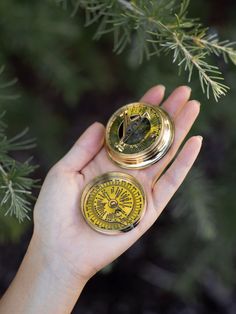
126	122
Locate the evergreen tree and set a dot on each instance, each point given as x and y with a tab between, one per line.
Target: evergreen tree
160	27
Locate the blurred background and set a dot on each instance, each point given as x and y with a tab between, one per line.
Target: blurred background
186	263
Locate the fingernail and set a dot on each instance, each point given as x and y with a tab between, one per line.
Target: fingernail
161	85
190	89
185	86
199	137
198	102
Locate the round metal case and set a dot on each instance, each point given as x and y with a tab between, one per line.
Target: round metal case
113	203
138	135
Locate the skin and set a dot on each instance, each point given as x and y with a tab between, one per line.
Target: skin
64	252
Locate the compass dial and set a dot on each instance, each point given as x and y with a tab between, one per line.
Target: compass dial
134	128
138	134
113	203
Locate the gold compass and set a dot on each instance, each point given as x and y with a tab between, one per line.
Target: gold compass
113	202
138	135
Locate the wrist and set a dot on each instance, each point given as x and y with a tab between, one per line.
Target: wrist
41	286
50	285
55	267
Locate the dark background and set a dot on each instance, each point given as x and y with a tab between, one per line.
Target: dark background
186	263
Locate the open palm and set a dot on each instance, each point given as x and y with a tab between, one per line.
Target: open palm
59	224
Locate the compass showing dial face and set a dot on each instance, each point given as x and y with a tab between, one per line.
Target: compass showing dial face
138	135
113	203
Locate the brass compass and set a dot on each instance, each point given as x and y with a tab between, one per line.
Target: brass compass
113	203
138	135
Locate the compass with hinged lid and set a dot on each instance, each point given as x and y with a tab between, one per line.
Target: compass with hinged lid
113	203
138	135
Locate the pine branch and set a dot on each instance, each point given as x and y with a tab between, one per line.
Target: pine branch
15	188
217	47
209	75
154	27
4	85
15	143
15	183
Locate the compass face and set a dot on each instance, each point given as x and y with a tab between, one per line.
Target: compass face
113	203
134	128
138	134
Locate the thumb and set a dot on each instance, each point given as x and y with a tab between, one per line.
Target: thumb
85	148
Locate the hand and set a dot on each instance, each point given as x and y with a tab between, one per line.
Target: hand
61	234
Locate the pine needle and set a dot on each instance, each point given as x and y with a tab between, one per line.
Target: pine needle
156	27
15	181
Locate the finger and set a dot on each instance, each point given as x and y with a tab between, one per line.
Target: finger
170	181
86	147
154	95
165	188
175	102
183	123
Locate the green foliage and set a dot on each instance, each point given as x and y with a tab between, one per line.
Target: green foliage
157	27
197	210
11	230
67	81
15	183
16	188
3	86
